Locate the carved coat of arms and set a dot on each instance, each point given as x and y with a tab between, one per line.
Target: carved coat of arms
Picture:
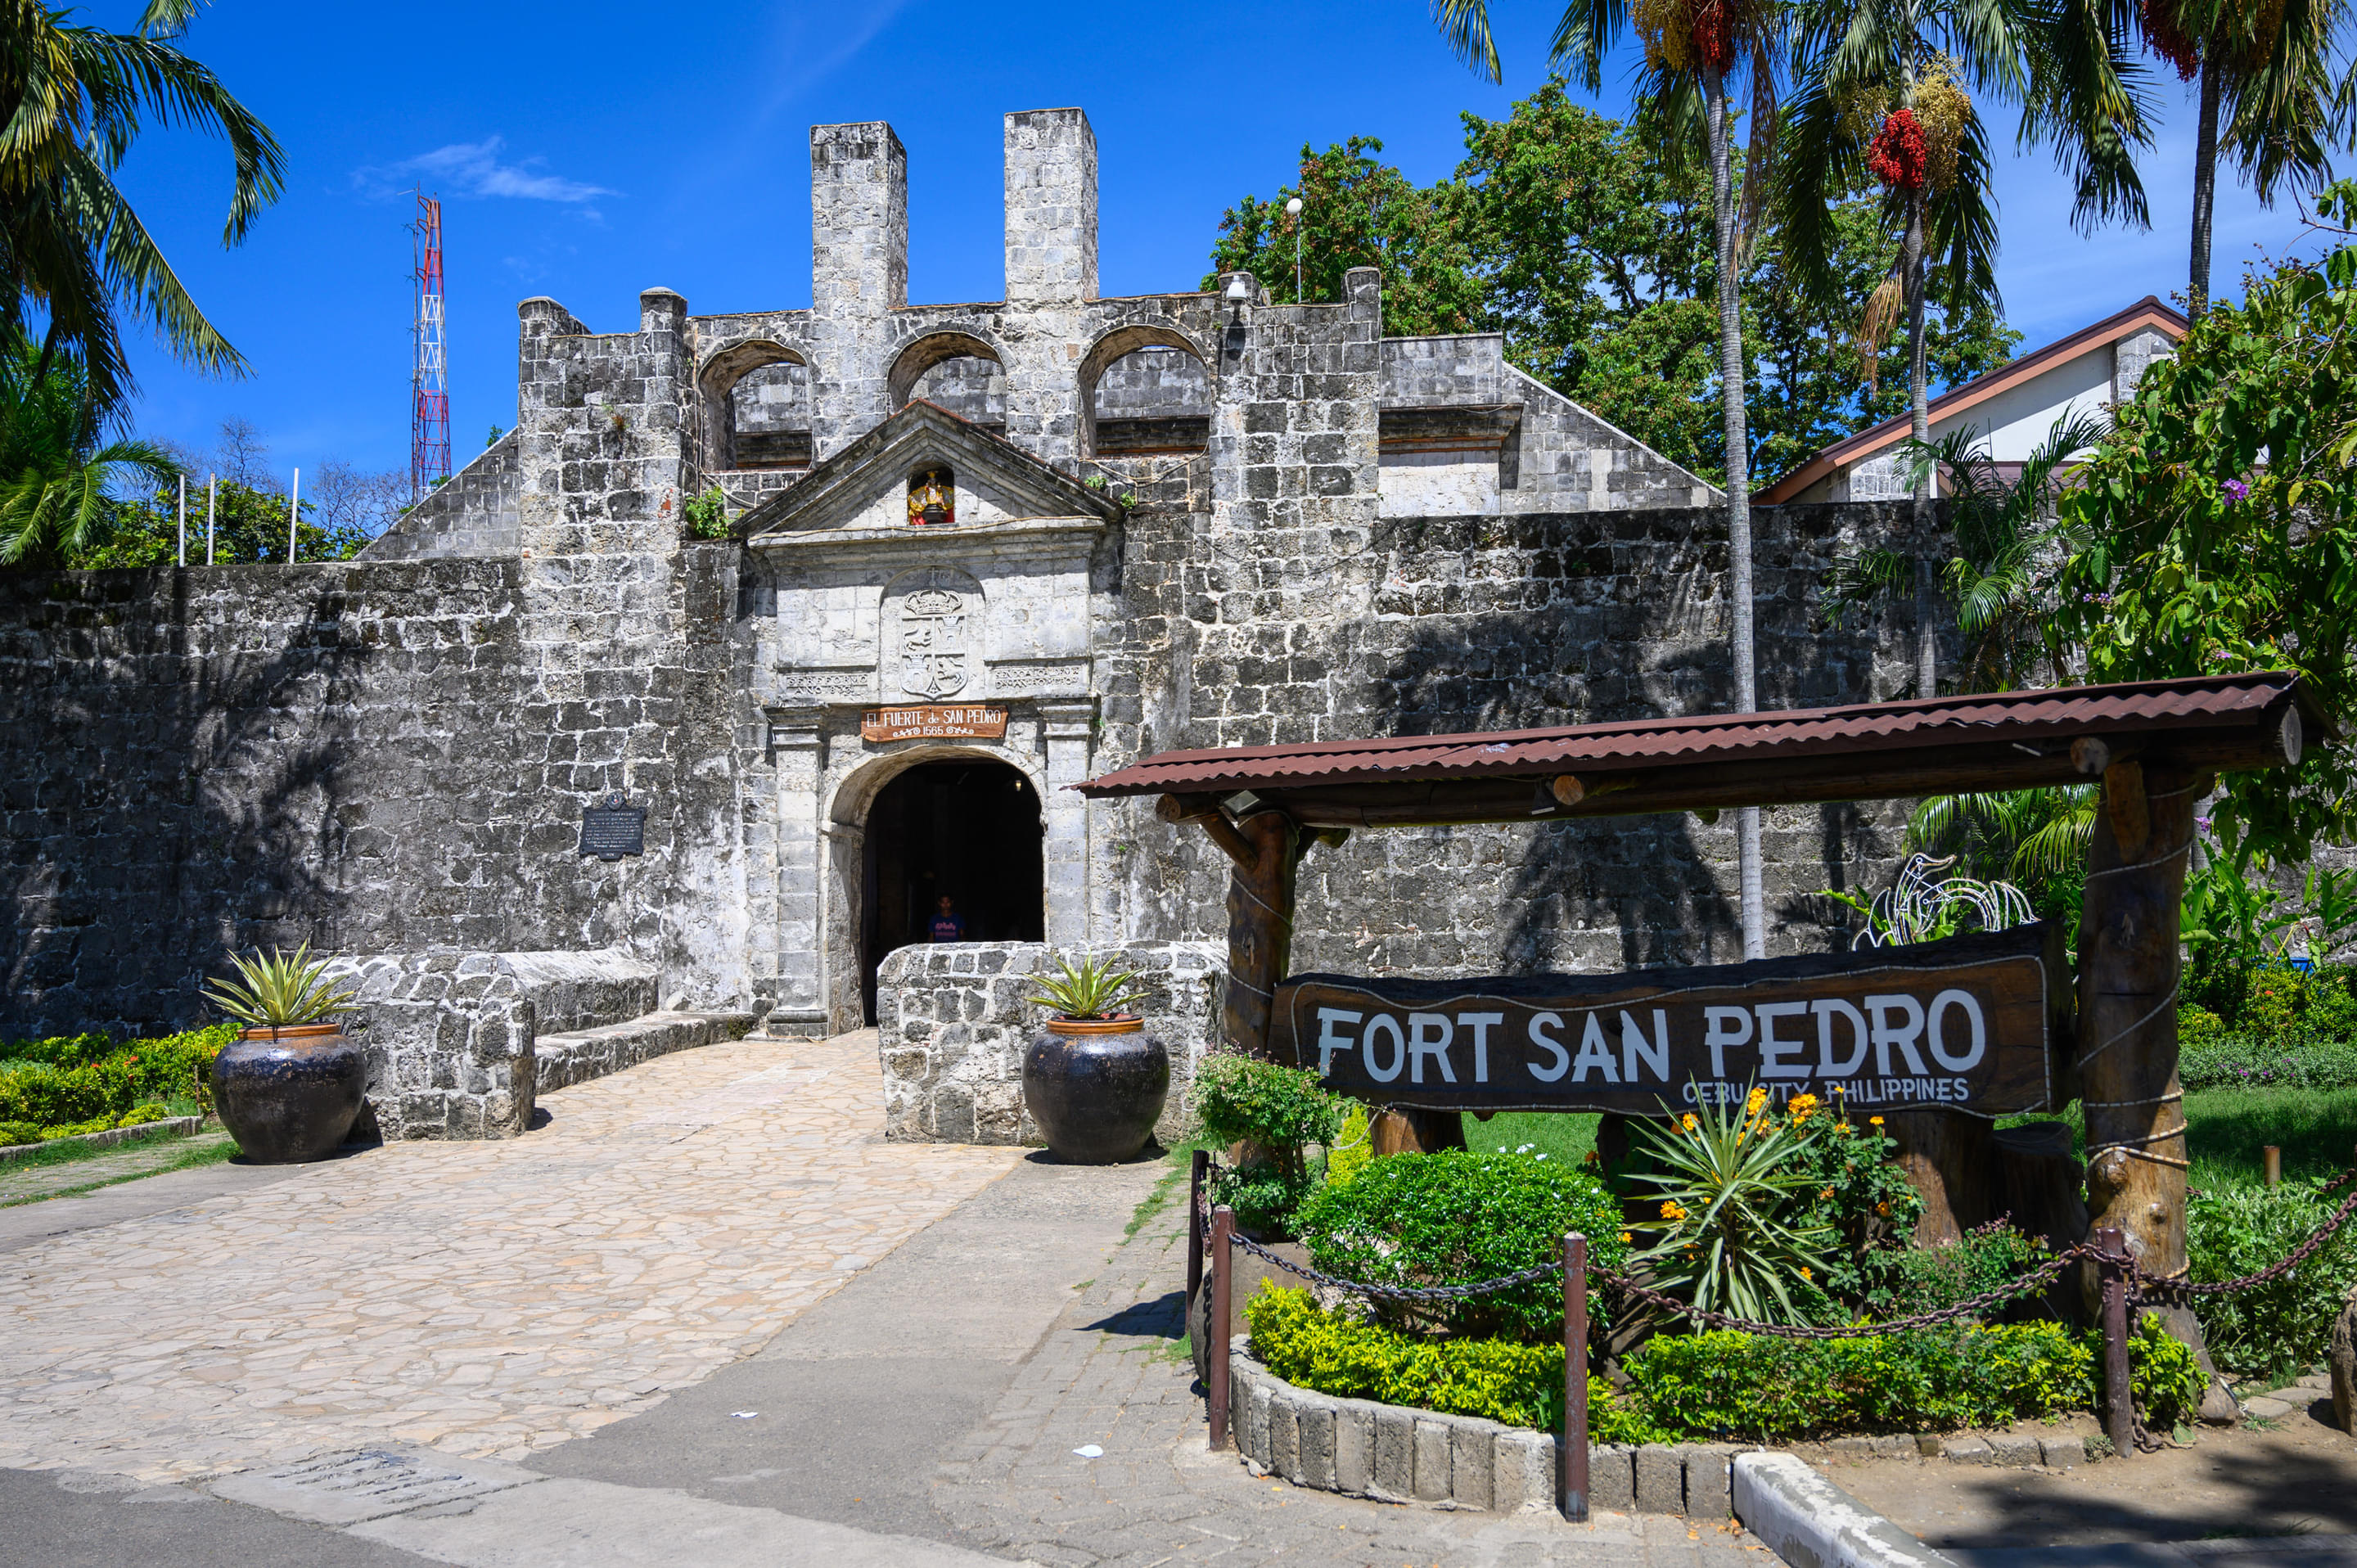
933	652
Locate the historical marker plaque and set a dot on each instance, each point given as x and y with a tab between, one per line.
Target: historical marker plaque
933	724
1968	1024
613	830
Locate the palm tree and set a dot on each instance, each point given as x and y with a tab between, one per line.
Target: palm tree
1888	93
56	477
1692	47
73	248
2007	550
2269	71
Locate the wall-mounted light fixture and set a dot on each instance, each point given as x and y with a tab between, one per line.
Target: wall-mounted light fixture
1238	295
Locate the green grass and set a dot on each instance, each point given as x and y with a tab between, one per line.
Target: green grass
2316	1129
205	1149
1563	1136
1154	1202
65	1151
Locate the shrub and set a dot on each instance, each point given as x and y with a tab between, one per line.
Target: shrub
2198	1026
67	1082
2284	1326
2164	1375
1736	1229
2246	1061
1274	1113
1927	1279
1456	1217
2272	1008
1856	1188
1353	1146
1501	1379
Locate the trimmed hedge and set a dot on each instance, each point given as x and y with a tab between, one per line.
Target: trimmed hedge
80	1083
2209	1058
1722	1384
1503	1380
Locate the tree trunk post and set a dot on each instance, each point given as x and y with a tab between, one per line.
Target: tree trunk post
1223	1273
1397	1130
1571	1447
1260	927
1949	1160
2127	1014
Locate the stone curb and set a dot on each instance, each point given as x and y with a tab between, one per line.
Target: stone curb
1810	1523
1396	1455
172	1126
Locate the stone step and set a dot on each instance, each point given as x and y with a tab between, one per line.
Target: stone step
578	1057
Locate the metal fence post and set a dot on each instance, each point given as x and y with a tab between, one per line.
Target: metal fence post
1571	1446
2119	1400
1223	1270
1195	1226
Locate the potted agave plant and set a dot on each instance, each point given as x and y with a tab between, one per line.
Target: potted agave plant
1095	1079
290	1089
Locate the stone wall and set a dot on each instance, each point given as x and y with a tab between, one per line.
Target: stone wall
477	511
954	1021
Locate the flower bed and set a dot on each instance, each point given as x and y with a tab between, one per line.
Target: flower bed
73	1084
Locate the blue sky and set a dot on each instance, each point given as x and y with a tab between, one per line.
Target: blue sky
590	151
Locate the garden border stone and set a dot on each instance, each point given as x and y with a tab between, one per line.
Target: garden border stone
171	1126
1810	1523
1396	1455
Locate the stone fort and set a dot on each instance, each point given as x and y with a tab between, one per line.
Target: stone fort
1124	526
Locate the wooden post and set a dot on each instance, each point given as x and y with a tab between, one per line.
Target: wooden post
1950	1162
1223	1270
1571	1446
2127	1017
1197	1169
1407	1131
1259	927
2271	1164
2119	1399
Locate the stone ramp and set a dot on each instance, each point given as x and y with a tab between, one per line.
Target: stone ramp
578	1055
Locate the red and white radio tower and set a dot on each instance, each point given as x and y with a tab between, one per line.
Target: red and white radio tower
429	375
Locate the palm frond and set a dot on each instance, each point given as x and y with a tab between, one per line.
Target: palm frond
1465	26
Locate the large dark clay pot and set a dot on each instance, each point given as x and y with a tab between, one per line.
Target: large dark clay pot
292	1097
1095	1088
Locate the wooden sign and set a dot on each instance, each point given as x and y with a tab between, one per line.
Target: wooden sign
1969	1023
933	724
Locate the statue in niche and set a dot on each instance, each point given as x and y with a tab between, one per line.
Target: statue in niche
932	499
934	643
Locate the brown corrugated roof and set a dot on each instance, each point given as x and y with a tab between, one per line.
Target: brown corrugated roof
2000	722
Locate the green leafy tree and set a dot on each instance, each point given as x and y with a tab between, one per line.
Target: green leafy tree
74	250
57	470
2216	529
1355	212
249	528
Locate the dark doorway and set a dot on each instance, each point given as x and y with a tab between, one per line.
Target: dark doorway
970	829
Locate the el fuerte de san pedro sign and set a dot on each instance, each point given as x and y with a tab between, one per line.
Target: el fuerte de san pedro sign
1968	1024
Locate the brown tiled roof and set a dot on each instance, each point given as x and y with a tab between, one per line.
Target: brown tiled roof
1884	738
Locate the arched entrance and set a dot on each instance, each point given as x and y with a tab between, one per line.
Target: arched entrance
968	829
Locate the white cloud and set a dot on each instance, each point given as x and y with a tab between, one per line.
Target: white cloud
476	169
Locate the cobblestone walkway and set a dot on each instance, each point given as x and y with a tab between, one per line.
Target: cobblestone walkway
490	1299
1112	1375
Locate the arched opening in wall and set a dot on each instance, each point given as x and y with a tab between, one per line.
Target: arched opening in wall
956	371
966	830
756	408
1144	390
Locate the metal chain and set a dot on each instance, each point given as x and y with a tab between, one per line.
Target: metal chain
2037	1279
1402	1293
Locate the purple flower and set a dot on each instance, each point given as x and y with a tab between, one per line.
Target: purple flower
2236	491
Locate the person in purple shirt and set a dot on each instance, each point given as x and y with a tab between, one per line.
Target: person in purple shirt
949	926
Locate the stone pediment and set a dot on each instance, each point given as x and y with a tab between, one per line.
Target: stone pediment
860	493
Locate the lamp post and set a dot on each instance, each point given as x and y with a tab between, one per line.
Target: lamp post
1293	210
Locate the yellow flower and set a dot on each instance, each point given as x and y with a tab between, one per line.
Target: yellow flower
1688	1124
1827	1193
1672	1210
1805	1274
1802	1107
1874	1121
1625	1239
1759	1098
